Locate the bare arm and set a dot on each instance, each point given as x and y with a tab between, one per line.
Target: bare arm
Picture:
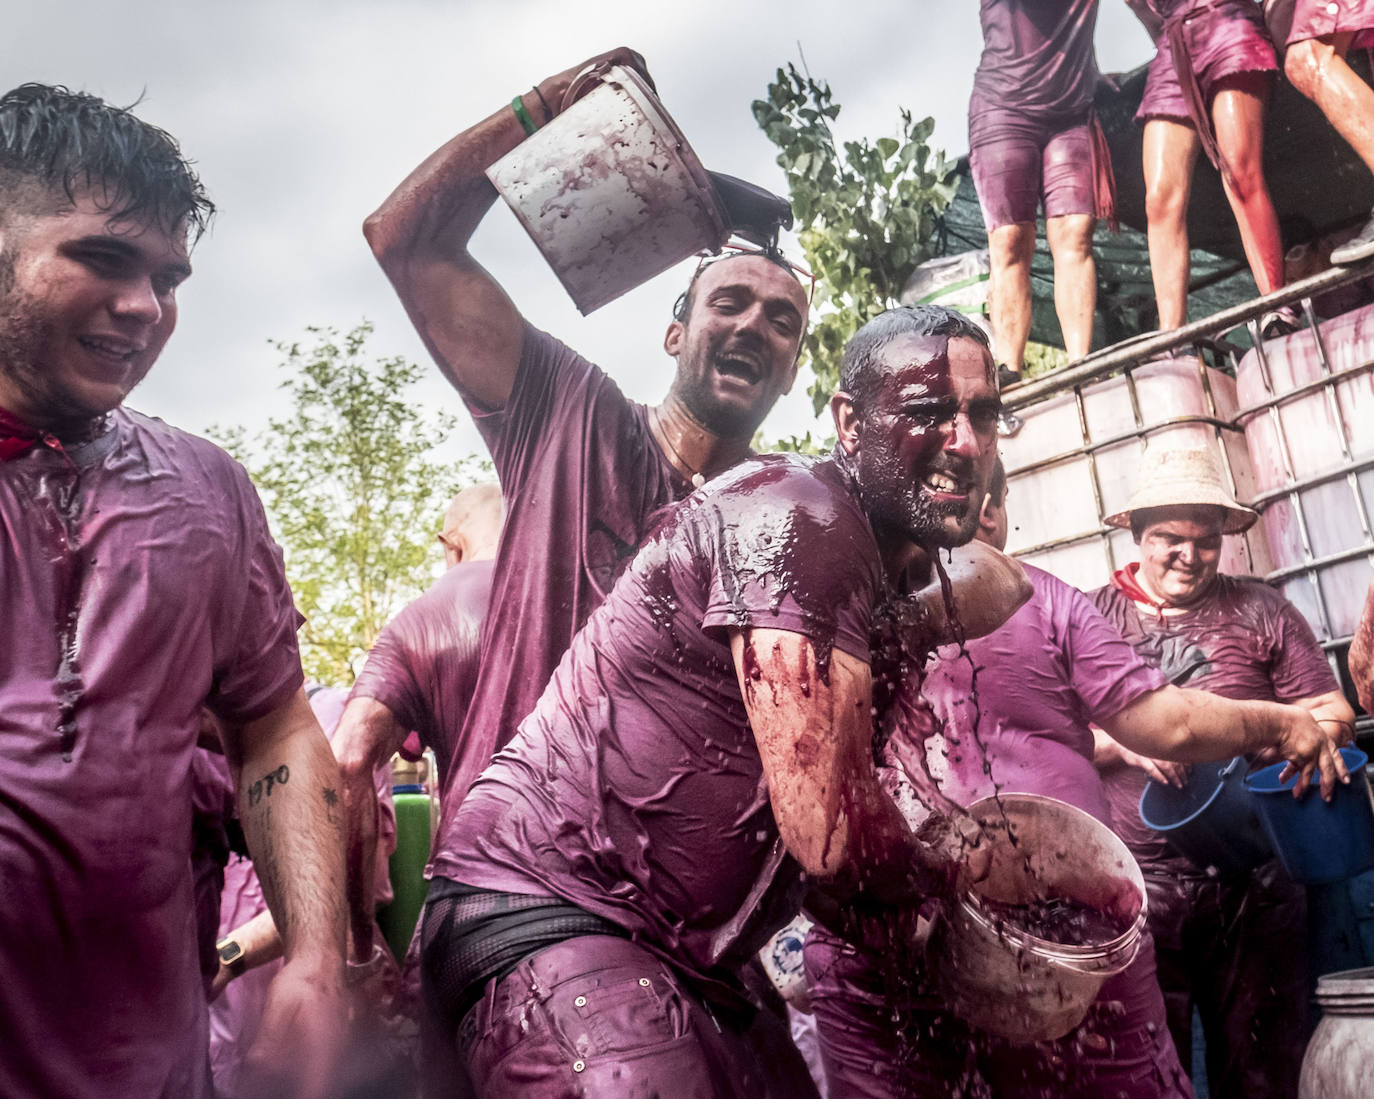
1194	726
420	237
814	736
1362	654
289	805
1333	713
368	733
986	587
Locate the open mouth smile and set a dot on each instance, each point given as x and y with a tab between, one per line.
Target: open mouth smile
113	351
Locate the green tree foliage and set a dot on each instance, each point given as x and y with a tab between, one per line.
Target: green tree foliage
865	212
355	492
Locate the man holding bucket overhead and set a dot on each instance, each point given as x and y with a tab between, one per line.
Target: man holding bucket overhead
1233	945
581	467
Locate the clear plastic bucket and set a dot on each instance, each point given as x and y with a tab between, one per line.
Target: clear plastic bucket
1005	980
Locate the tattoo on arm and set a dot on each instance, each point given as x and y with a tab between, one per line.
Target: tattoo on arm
331	801
263	787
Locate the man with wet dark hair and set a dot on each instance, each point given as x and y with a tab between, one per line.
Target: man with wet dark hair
140	583
704	752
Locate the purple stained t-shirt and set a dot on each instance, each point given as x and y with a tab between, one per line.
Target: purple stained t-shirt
139	581
1055	667
635	789
581	476
1244	641
424	664
1037	67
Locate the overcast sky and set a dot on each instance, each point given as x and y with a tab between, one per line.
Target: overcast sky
303	115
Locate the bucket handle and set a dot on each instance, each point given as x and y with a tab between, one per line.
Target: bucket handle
582	83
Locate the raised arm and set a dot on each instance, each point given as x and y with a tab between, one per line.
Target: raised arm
288	798
814	735
1194	726
1362	654
420	237
368	733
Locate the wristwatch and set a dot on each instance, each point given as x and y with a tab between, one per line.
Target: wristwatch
230	955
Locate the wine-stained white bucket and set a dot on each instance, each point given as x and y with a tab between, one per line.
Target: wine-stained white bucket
610	192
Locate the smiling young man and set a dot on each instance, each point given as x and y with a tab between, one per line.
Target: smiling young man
1233	946
139	583
705	751
581	467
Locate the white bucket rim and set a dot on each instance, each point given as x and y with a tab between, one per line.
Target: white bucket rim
1112	955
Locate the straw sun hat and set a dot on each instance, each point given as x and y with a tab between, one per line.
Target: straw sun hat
1178	478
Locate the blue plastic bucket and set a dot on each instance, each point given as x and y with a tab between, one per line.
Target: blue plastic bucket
1212	819
1316	842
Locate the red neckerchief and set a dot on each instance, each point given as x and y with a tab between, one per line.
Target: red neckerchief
16	437
1124	580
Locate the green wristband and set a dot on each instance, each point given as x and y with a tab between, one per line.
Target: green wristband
518	106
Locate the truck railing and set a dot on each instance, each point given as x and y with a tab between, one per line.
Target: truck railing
1124	357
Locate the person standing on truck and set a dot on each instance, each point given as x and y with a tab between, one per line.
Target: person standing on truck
1207	90
1033	138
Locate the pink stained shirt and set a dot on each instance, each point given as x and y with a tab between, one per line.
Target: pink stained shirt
1053	669
1243	641
423	667
139	582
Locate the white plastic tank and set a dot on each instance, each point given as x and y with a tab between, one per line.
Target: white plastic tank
1075	460
1307	409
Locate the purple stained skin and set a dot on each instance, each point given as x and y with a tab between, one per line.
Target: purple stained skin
635	789
140	582
423	666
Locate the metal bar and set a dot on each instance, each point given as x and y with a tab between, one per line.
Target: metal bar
1330	381
1340	556
1264	499
1085	451
1154	344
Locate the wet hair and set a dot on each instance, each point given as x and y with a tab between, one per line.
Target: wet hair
682	308
997	484
55	142
862	364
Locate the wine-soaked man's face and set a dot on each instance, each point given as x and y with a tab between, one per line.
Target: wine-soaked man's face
927	439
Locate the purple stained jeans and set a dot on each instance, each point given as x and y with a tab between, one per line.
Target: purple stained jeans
879	1045
598	1016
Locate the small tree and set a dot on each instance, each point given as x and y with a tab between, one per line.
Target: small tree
865	216
354	491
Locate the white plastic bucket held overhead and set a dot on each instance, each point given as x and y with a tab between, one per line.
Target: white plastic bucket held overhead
1003	979
610	192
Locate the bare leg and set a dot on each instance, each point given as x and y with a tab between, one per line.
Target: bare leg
1317	68
1010	248
1238	115
1169	154
1075	279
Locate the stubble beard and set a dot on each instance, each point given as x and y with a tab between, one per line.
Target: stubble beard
24	332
